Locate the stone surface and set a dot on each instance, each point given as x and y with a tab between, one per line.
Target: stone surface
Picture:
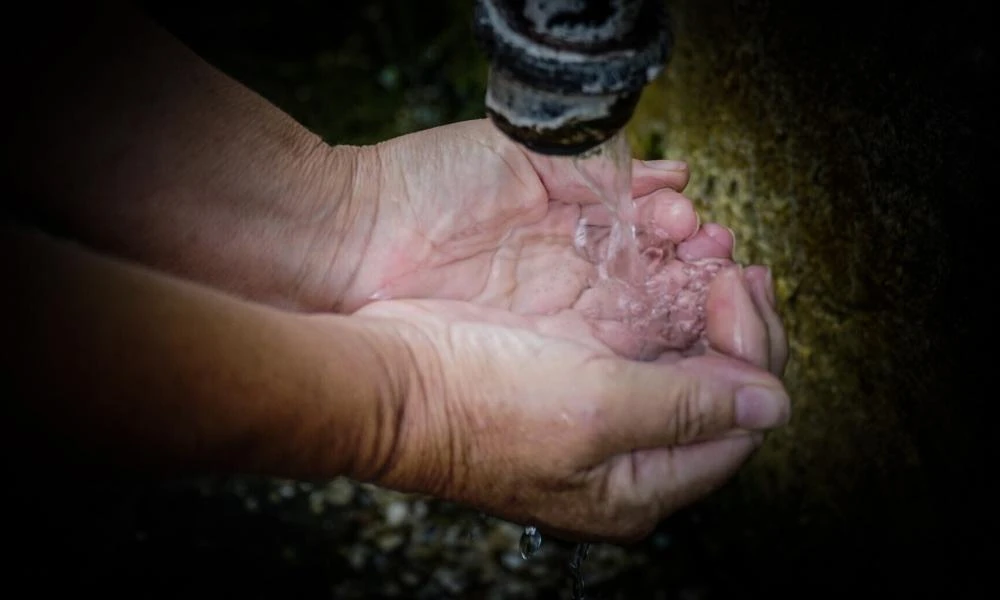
846	145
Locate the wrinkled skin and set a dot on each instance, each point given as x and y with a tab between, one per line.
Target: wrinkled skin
529	407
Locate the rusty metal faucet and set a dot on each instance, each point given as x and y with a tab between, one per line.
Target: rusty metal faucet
566	75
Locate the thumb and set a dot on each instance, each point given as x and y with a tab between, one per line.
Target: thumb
652	406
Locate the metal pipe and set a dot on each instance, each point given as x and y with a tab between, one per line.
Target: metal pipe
566	75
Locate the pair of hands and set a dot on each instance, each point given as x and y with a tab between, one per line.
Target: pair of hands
516	406
509	400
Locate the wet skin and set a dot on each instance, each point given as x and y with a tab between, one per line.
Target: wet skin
499	236
519	353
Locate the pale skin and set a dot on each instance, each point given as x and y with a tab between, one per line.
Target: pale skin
223	309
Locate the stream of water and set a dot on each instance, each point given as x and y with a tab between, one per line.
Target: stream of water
607	173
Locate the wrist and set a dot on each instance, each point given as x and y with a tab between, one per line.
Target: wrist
365	380
340	211
416	434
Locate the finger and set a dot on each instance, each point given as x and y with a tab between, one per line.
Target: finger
582	180
711	241
648	405
651	175
762	291
733	325
668	215
665	213
657	483
676	477
587	182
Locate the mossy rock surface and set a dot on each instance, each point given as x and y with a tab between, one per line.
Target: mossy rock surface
845	144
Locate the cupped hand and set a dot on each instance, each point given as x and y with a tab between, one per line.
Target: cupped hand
525	400
462	213
557	431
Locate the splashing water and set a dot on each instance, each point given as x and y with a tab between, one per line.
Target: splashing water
642	300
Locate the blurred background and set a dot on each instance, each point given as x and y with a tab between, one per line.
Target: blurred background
849	145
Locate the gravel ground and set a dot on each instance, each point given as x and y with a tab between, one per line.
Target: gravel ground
257	538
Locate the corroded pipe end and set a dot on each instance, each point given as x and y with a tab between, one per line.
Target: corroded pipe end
566	75
555	123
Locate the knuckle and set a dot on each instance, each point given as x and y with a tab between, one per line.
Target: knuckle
690	410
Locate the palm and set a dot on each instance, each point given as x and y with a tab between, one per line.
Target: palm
474	259
521	259
479	229
491	238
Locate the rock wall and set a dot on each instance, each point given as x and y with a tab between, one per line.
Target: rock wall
847	145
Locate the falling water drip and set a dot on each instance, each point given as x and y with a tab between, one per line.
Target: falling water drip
531	541
576	570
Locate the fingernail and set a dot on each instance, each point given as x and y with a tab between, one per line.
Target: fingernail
761	408
719	232
666	165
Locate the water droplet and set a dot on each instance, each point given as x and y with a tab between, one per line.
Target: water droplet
531	541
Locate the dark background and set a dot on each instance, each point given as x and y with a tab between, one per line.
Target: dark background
881	486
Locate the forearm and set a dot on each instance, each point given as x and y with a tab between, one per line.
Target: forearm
127	141
109	364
